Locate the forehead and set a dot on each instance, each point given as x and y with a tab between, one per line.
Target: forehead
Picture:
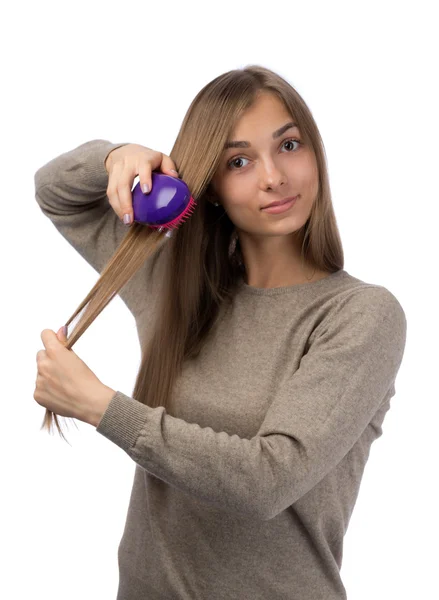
268	111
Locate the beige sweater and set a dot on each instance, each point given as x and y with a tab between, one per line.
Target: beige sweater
245	493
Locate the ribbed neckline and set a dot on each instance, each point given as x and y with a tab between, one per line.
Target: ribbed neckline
321	283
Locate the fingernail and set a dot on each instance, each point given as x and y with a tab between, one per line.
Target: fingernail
145	188
127	219
64	330
172	171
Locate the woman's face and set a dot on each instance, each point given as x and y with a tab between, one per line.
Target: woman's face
265	170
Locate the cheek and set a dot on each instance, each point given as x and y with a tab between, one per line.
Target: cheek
236	193
240	200
305	179
314	182
239	205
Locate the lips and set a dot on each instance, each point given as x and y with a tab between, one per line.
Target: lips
279	202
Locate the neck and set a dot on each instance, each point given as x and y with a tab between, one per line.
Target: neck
275	261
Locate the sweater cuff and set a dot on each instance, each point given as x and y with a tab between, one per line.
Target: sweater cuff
123	420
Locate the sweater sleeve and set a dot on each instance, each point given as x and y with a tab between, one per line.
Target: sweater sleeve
311	424
71	191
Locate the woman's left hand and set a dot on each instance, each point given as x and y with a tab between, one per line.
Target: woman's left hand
65	385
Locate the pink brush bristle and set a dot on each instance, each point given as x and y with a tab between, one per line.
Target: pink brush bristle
175	223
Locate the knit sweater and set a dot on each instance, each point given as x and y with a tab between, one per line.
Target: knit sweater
245	492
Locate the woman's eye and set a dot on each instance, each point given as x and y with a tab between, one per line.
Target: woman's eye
234	160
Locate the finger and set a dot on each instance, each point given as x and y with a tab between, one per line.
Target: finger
125	195
145	177
49	339
45	337
60	334
168	166
41	354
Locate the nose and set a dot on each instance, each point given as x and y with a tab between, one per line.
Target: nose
271	176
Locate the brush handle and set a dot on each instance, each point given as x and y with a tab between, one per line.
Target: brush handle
168	199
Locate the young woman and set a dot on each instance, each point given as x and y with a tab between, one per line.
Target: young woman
267	369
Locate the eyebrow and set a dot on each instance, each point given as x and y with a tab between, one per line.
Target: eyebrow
276	134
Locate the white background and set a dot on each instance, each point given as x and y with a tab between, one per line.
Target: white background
127	72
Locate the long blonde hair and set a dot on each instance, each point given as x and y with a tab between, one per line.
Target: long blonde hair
199	273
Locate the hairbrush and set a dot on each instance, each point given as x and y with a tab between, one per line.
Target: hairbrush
168	204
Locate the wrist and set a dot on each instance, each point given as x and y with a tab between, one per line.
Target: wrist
100	405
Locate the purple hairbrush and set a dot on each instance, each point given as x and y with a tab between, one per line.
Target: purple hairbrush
167	205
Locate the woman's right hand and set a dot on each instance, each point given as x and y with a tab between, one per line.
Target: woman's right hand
123	165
